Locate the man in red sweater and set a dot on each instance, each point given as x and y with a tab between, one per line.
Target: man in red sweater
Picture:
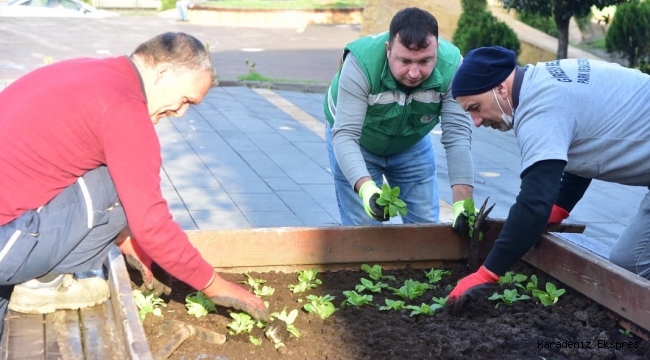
80	160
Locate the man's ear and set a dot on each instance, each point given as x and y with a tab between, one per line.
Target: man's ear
387	48
163	70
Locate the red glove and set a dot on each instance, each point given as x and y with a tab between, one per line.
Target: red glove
467	286
154	279
557	215
228	294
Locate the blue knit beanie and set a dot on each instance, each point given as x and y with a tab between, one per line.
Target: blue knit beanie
482	70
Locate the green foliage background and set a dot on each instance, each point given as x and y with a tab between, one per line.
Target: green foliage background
629	33
477	27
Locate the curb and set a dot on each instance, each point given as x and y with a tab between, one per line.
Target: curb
287	86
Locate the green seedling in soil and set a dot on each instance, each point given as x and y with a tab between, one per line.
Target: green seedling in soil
320	305
147	304
411	289
392	305
423	309
256	283
509	297
550	296
353	298
435	275
510	278
375	272
242	323
369	285
469	210
449	288
440	301
199	304
391	202
625	332
254	340
306	280
288	319
530	286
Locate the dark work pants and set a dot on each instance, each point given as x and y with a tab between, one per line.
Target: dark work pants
71	233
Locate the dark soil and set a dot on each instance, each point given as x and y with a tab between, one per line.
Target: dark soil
575	328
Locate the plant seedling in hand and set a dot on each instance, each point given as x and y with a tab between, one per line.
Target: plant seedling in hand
392	305
435	275
369	285
147	304
423	309
353	298
375	272
550	296
509	297
320	305
510	278
288	319
306	280
199	304
390	201
411	289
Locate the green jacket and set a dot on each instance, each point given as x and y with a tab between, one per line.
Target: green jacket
395	120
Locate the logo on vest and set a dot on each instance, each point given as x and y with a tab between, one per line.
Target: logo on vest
425	119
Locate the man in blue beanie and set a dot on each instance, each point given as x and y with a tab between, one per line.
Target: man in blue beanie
392	89
575	120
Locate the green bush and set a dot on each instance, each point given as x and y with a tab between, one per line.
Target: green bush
544	24
629	33
167	4
479	28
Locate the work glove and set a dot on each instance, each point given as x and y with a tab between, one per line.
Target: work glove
369	193
557	215
225	293
461	221
469	288
154	279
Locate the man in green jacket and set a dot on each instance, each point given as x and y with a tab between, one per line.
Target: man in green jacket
391	90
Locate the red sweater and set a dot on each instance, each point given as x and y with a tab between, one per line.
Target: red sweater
64	119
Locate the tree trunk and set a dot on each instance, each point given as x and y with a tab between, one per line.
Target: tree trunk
562	23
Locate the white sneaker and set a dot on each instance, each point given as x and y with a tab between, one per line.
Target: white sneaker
64	292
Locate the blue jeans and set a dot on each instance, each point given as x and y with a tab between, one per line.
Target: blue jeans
413	170
182	7
632	249
71	233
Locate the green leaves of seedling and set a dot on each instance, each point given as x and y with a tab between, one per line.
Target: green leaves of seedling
242	323
551	296
411	289
199	304
288	318
423	309
369	285
375	272
392	305
470	211
356	299
391	202
147	304
256	283
510	278
306	280
509	297
320	305
435	275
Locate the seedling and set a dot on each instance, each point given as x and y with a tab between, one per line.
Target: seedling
509	297
440	301
411	289
255	284
510	278
391	202
435	275
147	304
242	323
625	332
199	304
369	285
288	319
423	309
392	305
470	212
375	272
306	280
254	340
550	296
353	298
530	286
320	305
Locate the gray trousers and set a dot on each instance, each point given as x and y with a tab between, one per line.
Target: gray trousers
632	249
71	233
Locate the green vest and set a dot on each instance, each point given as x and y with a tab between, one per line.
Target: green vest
394	120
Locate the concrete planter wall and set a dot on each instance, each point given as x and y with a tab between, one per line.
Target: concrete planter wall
269	18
